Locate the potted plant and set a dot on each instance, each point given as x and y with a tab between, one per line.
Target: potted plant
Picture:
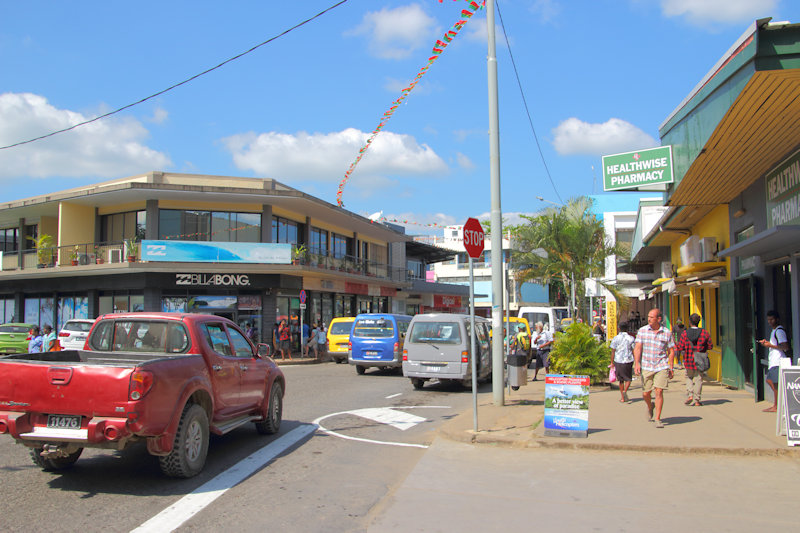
298	253
130	249
44	250
73	255
97	257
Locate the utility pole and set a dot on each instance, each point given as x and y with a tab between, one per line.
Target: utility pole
496	216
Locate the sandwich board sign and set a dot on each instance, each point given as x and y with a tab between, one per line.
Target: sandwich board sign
566	405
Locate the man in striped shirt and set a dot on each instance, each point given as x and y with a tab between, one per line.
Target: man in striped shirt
653	356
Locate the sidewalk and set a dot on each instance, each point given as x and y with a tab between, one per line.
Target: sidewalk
729	422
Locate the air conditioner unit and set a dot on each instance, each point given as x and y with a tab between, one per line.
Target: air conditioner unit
708	245
691	250
666	269
115	255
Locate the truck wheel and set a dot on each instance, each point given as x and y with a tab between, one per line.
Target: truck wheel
272	421
53	464
360	369
417	383
188	455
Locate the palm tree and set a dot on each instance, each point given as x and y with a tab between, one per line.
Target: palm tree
566	244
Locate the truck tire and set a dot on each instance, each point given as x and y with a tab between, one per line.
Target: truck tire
360	369
417	383
188	455
56	463
272	420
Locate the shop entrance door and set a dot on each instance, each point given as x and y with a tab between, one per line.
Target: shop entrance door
746	310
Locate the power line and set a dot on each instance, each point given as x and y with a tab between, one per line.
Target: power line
159	93
527	111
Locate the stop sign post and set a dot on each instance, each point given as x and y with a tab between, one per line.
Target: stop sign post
473	244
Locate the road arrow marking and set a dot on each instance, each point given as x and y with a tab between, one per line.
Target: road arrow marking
387	415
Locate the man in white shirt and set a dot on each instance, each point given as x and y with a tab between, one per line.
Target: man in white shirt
778	345
622	355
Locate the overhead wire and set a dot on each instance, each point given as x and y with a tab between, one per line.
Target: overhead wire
525	102
184	82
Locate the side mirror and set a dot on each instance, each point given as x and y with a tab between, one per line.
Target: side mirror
263	350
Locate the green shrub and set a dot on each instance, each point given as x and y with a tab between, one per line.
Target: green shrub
576	352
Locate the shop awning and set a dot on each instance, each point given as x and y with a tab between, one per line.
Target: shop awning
778	238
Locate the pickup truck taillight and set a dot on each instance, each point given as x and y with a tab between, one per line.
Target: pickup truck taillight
141	381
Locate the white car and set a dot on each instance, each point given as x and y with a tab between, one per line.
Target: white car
73	335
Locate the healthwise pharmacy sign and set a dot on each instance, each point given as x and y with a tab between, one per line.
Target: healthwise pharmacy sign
783	193
632	170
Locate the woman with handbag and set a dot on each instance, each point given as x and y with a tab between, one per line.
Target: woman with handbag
694	344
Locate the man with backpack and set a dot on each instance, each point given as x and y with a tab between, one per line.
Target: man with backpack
694	344
523	342
778	345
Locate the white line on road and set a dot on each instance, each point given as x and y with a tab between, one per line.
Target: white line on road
179	512
394	395
386	415
318	423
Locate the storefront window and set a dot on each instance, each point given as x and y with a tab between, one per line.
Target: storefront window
220	226
7	309
39	311
119	302
70	307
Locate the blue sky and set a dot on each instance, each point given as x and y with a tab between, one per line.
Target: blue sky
599	77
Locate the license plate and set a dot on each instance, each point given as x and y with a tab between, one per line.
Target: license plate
80	337
371	353
64	421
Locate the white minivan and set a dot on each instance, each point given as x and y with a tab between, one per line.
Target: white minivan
438	347
550	317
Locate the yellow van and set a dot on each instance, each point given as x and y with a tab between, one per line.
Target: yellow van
339	338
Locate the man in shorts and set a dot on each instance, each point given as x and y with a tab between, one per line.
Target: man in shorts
653	358
778	345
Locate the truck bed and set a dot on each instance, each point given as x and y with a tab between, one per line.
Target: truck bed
124	359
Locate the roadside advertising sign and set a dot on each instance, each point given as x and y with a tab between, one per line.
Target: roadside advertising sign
783	192
566	405
632	170
789	383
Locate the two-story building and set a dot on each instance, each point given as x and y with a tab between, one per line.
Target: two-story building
243	248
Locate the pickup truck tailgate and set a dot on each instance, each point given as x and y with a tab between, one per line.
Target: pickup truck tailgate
78	389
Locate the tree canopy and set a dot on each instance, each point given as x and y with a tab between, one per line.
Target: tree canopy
566	244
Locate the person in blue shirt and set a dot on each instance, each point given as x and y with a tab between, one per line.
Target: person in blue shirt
36	342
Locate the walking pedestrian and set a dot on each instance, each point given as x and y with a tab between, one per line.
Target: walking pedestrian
693	344
36	342
653	358
322	338
622	359
284	340
311	344
778	345
49	339
543	340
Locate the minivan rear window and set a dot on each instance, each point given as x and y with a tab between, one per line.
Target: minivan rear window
340	328
436	332
373	328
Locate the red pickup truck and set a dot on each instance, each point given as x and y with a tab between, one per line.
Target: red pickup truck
166	378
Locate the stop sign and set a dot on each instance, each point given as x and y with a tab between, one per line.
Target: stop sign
473	238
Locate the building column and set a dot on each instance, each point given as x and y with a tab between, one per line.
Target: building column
266	223
151	231
152	298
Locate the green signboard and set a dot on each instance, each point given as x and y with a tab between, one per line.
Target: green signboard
783	192
632	170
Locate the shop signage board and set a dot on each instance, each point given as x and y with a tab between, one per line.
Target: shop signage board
642	168
783	192
789	404
566	405
217	252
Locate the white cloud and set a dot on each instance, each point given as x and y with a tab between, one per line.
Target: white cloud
396	33
464	161
325	157
108	147
160	116
546	10
510	218
421	223
573	136
706	12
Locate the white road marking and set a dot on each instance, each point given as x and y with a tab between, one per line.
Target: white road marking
394	395
318	423
179	512
387	415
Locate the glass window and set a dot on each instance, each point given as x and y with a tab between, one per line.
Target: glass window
119	226
169	224
373	328
284	230
339	245
436	332
218	340
241	348
319	241
9	240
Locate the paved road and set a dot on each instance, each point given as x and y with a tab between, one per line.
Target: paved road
324	483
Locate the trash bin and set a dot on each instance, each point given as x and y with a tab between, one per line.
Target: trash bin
517	369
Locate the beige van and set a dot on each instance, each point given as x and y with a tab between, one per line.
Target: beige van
438	347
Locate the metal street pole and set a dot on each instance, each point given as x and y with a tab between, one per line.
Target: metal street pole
474	352
496	214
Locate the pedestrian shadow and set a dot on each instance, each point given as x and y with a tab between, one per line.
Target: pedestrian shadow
675	420
716	402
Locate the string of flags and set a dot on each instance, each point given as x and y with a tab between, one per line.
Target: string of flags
438	48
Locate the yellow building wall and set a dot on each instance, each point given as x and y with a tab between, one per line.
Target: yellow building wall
715	224
76	224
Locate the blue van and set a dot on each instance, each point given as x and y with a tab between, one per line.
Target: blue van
376	339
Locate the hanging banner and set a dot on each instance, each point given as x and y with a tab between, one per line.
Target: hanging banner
566	406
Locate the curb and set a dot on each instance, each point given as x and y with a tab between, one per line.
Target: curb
486	437
298	361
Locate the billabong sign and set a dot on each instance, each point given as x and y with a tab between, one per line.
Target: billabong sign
217	280
632	170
